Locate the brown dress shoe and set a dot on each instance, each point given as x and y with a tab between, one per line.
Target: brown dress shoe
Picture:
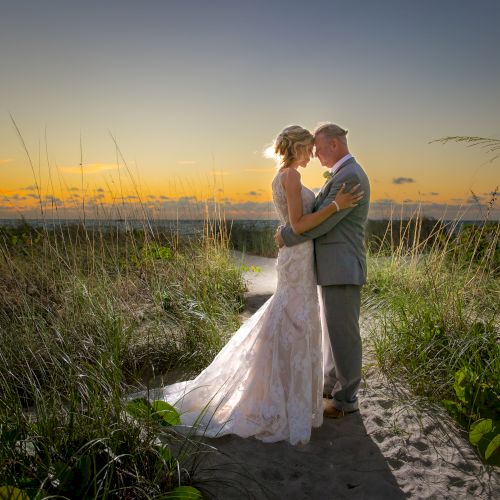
329	411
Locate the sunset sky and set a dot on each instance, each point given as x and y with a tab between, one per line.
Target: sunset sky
194	91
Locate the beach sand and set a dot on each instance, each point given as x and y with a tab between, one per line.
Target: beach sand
395	447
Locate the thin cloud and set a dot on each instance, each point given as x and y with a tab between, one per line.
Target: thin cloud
54	200
17	197
252	193
90	168
403	180
186	162
4	161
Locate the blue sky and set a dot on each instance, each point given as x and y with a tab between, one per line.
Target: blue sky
194	90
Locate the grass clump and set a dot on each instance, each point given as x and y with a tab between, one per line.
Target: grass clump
85	316
254	239
436	323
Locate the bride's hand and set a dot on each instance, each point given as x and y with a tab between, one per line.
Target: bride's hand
349	199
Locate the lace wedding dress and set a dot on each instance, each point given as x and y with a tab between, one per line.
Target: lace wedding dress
267	381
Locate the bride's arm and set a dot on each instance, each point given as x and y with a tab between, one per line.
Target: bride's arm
300	222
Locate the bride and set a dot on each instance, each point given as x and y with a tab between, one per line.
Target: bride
267	381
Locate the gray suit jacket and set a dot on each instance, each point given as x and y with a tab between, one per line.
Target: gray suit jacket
339	241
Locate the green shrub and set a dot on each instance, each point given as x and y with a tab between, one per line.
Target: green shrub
436	322
84	316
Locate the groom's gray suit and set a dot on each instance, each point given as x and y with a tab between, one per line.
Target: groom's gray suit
340	271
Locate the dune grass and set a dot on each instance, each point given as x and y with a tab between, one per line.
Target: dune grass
85	317
435	305
254	241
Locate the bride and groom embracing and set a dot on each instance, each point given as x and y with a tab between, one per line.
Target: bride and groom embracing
281	372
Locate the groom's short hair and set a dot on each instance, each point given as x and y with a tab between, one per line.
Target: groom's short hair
330	131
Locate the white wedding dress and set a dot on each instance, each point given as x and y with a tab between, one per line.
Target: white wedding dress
267	381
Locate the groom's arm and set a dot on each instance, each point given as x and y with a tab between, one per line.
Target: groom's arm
291	239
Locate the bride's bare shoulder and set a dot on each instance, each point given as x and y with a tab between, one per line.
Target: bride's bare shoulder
289	176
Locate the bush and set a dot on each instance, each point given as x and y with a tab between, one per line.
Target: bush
436	323
85	314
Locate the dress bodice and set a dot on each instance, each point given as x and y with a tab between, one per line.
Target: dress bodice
280	201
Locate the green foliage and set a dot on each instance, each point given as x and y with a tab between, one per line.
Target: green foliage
12	493
165	413
139	408
475	397
436	322
83	315
485	435
478	244
160	411
254	240
184	493
23	239
253	269
155	251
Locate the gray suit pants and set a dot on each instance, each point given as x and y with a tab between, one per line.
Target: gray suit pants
340	320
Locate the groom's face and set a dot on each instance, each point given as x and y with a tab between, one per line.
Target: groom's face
325	150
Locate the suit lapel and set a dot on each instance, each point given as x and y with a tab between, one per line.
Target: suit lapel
321	194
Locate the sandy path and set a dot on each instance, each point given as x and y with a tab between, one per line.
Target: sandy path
393	448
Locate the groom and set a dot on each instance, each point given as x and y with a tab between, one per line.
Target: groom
340	269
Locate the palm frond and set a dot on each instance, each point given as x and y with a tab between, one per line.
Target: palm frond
491	145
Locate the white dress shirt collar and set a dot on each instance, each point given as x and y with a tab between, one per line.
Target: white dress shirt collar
335	167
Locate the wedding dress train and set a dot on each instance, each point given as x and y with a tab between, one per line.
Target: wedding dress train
267	381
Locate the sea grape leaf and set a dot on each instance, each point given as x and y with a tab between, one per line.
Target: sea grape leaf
184	493
13	493
168	414
485	435
492	447
138	408
460	384
479	430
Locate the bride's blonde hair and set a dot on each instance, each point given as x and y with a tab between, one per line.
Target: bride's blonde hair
291	143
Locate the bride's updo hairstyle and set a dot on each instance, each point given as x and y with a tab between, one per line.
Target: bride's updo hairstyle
292	143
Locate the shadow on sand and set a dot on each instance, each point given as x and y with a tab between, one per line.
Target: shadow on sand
340	461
